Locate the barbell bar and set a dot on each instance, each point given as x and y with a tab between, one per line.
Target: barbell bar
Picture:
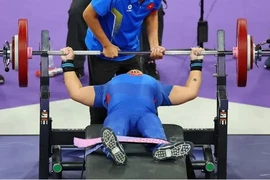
169	52
19	52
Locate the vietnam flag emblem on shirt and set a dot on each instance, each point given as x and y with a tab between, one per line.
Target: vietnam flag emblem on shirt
150	6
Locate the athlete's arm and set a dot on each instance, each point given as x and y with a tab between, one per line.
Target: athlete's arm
152	28
83	95
176	95
183	94
89	95
95	9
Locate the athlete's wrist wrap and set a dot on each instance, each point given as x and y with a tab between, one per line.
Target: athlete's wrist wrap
196	65
68	66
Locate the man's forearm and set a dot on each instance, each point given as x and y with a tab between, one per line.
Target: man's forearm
152	29
194	80
91	19
72	83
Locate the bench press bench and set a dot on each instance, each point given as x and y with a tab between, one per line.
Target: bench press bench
140	164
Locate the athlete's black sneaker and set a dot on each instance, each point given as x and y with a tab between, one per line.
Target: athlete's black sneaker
173	151
114	148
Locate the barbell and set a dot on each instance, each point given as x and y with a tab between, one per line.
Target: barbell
18	52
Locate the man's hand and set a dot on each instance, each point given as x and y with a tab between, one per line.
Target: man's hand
195	53
111	51
68	54
157	52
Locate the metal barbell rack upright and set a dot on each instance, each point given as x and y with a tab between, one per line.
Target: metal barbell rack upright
220	121
45	121
50	138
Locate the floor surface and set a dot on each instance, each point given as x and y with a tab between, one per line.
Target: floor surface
248	157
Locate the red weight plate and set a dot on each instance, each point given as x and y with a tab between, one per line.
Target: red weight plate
241	62
23	58
251	52
13	54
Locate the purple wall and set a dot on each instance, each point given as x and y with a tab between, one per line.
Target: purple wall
49	14
180	32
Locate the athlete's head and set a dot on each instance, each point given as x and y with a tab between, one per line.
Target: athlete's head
135	72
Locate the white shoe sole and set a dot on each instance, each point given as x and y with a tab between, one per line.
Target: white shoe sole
110	142
173	151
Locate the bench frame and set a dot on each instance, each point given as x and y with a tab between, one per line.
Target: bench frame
49	137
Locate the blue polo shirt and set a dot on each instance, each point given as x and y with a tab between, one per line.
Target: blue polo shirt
121	21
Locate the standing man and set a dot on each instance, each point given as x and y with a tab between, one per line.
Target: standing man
115	25
76	32
149	65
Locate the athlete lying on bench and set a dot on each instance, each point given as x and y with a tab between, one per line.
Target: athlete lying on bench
131	100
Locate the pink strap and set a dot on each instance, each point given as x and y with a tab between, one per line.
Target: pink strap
235	52
29	52
84	143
